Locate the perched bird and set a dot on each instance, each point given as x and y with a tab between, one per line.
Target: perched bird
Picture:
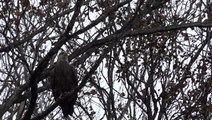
63	79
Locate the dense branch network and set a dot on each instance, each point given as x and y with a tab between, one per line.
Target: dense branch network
130	56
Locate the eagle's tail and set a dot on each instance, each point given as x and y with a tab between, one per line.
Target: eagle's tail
68	105
67	110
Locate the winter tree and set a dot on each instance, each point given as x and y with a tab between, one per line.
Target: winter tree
135	59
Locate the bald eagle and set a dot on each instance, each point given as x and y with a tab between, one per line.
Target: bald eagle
63	79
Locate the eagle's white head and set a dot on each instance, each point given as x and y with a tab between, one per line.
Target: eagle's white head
63	56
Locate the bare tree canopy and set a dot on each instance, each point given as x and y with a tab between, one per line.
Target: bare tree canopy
135	59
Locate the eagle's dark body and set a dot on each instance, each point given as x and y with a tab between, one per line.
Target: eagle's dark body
63	79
